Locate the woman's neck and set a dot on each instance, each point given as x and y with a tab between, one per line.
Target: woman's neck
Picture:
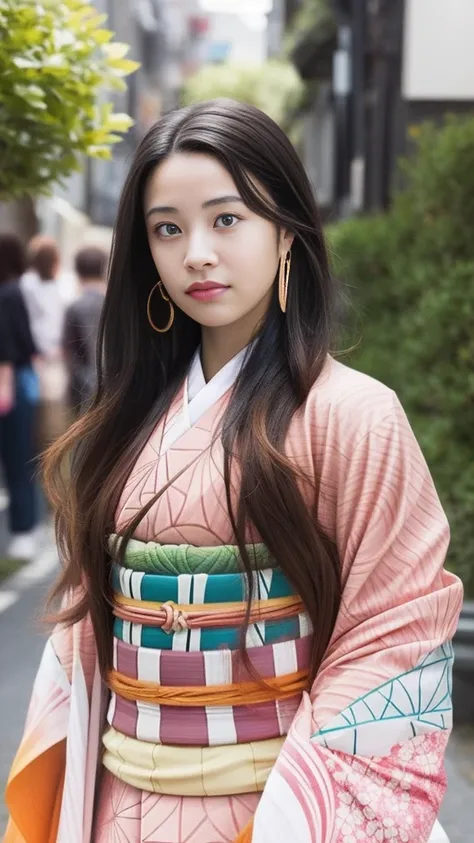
218	346
221	344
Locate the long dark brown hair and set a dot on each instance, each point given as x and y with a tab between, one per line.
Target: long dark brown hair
139	372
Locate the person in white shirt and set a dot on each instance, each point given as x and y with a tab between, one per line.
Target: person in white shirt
43	296
46	307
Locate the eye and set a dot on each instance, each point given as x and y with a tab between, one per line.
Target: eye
167	229
227	220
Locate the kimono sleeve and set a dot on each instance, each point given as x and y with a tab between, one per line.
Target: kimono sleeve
50	789
363	760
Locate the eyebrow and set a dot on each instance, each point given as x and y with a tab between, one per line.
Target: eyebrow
219	200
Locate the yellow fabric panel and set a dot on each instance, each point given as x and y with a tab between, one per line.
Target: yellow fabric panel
189	770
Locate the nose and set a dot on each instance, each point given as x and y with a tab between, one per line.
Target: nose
200	253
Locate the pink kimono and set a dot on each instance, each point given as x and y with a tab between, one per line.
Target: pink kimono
363	758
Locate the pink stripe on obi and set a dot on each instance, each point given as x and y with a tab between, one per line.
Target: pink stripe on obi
209	667
202	726
205	725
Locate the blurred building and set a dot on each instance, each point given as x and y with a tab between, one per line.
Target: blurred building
164	38
152	28
171	39
374	69
312	51
238	38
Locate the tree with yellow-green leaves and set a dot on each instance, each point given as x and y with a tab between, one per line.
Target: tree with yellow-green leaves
55	58
274	86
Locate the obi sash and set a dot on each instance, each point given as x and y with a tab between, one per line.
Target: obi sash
187	716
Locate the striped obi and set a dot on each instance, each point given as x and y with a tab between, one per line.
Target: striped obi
178	684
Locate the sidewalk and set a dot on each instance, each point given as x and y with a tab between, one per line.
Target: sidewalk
3	521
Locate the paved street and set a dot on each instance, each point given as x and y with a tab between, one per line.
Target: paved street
22	643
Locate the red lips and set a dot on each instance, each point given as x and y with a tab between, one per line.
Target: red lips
206	291
199	286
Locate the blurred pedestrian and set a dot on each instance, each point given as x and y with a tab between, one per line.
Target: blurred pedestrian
46	308
82	324
40	288
19	394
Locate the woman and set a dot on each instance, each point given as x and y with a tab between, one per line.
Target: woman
258	620
18	401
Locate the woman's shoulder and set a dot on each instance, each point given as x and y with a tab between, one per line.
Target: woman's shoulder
346	404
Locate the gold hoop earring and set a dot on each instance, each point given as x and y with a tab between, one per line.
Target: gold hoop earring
284	277
148	309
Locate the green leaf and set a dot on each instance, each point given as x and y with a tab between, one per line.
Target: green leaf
119	122
55	71
274	86
95	22
111	138
24	63
123	66
116	50
101	151
103	36
410	275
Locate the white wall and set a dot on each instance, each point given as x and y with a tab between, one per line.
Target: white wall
438	52
245	42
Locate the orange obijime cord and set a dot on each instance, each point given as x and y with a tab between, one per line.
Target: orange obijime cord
239	693
173	617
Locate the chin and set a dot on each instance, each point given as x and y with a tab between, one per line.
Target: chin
214	321
209	316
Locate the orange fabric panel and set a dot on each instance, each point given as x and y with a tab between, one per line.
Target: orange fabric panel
34	798
245	835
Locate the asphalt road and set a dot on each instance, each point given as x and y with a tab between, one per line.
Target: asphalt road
20	652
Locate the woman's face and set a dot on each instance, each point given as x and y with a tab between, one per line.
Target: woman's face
215	257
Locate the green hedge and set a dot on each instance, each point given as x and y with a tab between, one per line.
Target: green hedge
410	274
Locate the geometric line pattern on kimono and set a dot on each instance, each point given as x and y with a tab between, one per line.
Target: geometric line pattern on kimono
258	634
169	559
414	703
316	794
129	815
198	588
202	725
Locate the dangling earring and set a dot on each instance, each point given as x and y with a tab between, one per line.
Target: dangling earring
148	309
284	276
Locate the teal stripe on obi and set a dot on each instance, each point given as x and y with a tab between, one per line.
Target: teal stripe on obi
173	559
199	588
266	632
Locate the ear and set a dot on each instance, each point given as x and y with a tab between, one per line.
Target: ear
285	241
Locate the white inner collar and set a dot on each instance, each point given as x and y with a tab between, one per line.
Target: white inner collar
200	396
222	380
